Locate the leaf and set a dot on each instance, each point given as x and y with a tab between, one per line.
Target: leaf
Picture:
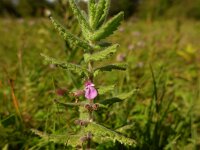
118	98
99	12
81	19
111	101
124	128
104	89
110	67
108	28
91	11
102	9
103	133
69	104
101	54
70	38
68	139
105	13
68	66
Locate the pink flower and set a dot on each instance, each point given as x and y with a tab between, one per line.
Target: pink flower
90	91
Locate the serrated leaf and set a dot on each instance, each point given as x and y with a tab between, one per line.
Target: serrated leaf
91	11
68	139
110	67
99	11
118	98
101	54
103	133
104	89
70	38
85	27
68	66
108	28
105	13
101	45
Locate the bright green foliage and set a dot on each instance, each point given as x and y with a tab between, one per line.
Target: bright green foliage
102	54
175	125
99	12
108	28
81	19
68	66
66	139
93	31
70	38
91	11
104	14
119	66
102	133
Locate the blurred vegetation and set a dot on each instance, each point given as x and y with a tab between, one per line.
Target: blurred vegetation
153	9
166	109
148	9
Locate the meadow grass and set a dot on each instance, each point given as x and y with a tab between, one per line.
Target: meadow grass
164	65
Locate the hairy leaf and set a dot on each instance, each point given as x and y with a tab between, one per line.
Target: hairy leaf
108	28
110	67
101	54
91	11
99	12
68	139
105	13
103	133
70	38
81	19
68	66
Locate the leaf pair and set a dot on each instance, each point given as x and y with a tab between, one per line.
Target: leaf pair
99	132
102	134
70	38
93	29
98	12
68	66
98	56
79	69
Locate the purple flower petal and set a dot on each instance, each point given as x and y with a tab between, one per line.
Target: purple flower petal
90	91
